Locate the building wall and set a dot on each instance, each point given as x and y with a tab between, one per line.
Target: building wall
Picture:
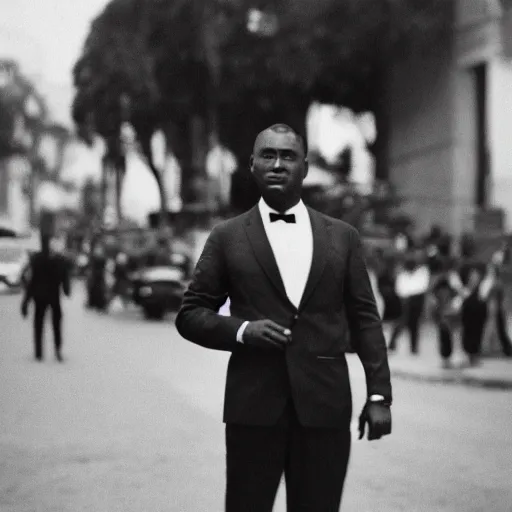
433	147
421	140
464	151
477	41
500	116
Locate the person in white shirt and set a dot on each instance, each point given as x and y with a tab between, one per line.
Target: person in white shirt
412	284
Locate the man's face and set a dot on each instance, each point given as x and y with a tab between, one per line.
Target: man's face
279	165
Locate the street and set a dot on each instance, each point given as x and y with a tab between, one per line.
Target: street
132	422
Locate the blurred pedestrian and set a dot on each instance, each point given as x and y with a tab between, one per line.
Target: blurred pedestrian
110	280
480	282
386	281
434	236
121	285
96	281
499	259
48	276
447	292
412	285
298	286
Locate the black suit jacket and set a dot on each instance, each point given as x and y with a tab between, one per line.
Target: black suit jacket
48	276
237	261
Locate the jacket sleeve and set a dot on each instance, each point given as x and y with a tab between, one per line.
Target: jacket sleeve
364	322
198	320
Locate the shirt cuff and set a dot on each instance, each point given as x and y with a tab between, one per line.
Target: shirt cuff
376	398
240	332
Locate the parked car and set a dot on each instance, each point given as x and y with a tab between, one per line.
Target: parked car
158	290
14	260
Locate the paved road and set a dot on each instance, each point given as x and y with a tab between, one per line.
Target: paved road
131	422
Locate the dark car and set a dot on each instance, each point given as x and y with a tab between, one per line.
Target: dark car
158	290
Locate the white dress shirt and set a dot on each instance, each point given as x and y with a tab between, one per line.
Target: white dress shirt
292	245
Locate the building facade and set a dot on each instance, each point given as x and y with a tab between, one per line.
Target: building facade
451	115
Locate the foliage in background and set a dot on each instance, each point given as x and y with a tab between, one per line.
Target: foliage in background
15	123
164	65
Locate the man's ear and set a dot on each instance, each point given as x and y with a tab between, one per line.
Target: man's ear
306	166
251	163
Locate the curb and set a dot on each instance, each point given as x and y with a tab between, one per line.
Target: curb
454	379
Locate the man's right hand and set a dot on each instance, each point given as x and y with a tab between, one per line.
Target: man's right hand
266	334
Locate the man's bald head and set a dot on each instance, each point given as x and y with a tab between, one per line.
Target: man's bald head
284	129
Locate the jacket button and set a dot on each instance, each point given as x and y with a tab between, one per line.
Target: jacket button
296	317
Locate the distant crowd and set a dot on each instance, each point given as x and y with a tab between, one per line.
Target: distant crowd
425	278
415	280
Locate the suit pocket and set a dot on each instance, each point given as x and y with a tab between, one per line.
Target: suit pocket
330	358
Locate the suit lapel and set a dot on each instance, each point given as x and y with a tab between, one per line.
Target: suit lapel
262	250
321	233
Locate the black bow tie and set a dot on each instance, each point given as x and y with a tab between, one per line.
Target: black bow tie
290	218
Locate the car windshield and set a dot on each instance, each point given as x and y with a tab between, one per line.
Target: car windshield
10	254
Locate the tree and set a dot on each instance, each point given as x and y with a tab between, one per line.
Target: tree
16	121
337	52
7	120
179	61
132	52
23	117
112	74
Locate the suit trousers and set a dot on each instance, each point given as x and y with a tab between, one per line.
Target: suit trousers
314	462
40	311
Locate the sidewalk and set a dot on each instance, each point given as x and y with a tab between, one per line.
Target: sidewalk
492	372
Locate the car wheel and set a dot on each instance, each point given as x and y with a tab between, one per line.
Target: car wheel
153	313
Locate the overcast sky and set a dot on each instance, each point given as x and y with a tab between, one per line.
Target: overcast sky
46	37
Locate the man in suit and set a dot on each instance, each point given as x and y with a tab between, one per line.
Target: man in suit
298	288
48	275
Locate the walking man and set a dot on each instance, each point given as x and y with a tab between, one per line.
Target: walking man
48	275
298	287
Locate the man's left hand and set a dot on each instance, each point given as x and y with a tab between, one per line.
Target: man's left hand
378	417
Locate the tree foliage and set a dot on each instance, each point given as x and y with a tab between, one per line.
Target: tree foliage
15	121
175	60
